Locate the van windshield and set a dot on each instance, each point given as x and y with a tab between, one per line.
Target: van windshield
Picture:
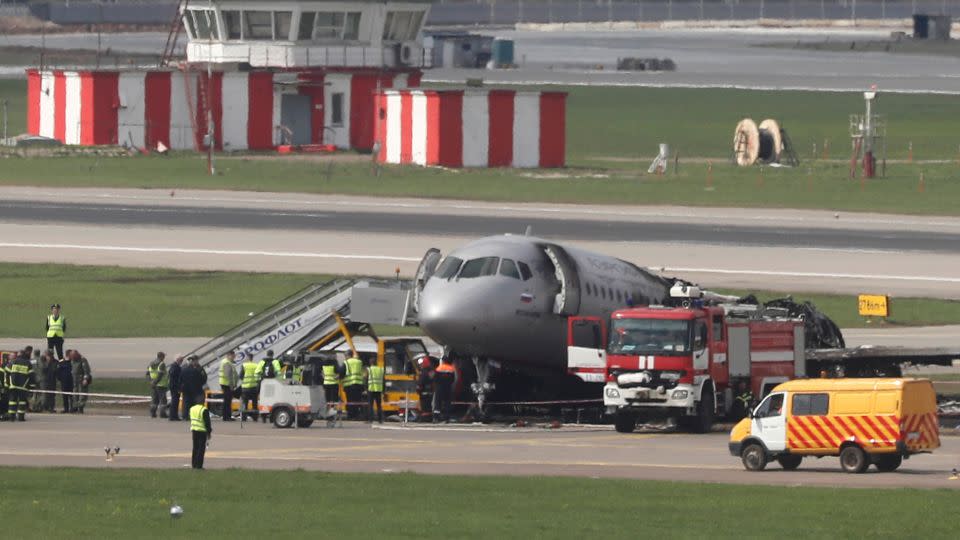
649	336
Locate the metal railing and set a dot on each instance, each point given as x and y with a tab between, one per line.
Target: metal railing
275	316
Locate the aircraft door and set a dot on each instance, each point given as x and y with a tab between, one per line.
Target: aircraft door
567	300
586	348
428	265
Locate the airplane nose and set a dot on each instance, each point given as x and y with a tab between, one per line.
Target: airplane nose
437	318
454	315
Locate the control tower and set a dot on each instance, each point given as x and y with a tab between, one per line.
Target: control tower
301	34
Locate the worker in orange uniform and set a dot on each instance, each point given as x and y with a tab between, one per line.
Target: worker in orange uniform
444	378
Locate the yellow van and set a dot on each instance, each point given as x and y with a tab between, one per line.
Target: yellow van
864	421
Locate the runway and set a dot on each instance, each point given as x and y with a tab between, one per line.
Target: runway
55	440
706	57
810	251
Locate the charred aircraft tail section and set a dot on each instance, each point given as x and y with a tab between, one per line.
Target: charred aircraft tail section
821	331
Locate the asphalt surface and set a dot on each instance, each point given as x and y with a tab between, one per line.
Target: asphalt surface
55	440
347	220
718	57
789	250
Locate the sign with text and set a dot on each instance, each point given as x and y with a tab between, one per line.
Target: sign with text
874	305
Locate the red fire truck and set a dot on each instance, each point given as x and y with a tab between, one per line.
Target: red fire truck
683	362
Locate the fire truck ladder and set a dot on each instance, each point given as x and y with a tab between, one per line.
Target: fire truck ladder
323	298
173	34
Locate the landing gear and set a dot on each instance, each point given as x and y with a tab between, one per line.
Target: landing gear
484	385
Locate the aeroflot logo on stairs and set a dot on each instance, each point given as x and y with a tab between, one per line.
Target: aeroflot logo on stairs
270	339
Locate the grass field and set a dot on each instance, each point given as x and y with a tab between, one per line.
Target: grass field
14	92
71	503
104	301
612	135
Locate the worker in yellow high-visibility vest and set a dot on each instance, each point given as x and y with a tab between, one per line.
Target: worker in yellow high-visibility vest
201	431
56	329
250	389
228	381
375	391
353	386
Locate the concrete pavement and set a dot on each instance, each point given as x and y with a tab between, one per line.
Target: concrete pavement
61	440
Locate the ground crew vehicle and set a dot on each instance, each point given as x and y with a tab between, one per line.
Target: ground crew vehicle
397	356
288	402
683	362
864	421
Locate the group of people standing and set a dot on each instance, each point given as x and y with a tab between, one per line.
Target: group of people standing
46	370
184	379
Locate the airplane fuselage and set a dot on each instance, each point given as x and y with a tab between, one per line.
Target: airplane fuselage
507	298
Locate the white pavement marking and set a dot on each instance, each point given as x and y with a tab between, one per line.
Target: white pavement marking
208	251
812	274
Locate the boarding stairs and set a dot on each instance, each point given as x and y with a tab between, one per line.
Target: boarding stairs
303	317
281	325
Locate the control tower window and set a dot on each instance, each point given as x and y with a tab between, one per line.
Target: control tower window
484	266
351	30
402	25
329	25
231	20
509	268
281	25
307	19
258	25
202	27
188	22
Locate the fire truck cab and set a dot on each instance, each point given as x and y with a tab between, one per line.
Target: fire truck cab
685	363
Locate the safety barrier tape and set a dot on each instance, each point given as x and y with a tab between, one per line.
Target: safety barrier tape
90	394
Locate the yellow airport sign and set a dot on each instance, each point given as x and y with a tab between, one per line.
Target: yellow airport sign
874	305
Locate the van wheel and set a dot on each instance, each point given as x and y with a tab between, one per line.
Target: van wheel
624	421
853	459
789	462
283	417
887	462
304	421
754	457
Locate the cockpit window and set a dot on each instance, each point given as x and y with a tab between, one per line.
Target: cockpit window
484	266
525	272
448	268
509	268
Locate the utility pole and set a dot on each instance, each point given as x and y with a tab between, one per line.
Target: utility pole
211	141
4	119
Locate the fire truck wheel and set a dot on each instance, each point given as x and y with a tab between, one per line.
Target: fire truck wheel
887	462
853	459
789	462
624	422
283	417
704	419
754	457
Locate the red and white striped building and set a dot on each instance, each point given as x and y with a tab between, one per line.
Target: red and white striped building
300	72
472	128
252	110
